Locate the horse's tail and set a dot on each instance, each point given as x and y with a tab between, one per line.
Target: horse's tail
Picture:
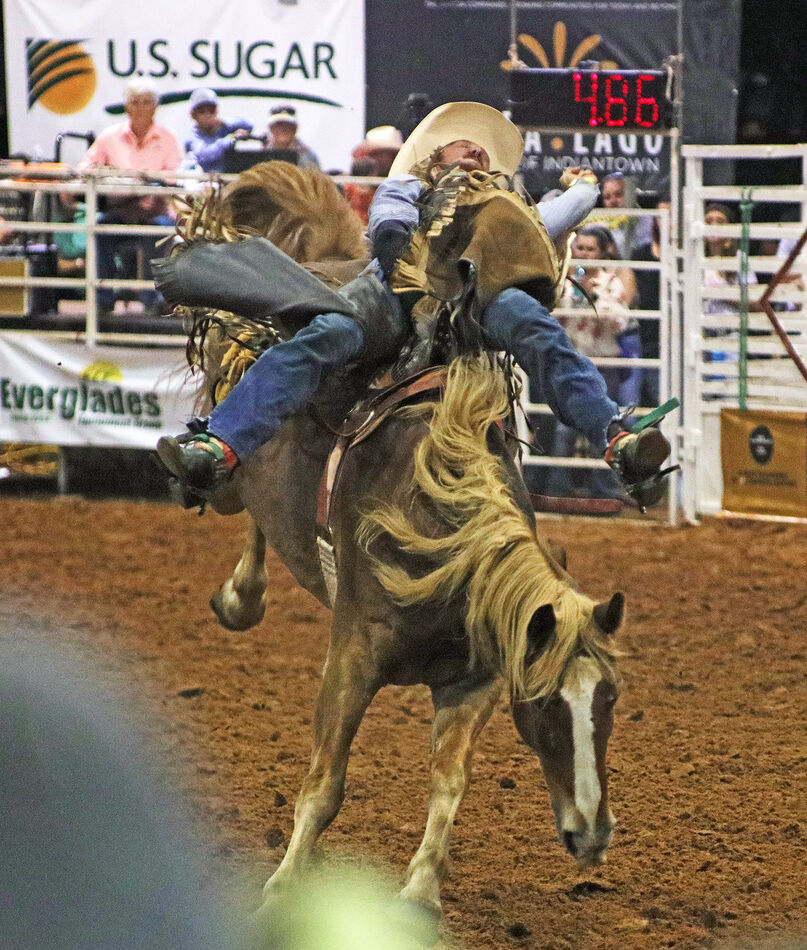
485	545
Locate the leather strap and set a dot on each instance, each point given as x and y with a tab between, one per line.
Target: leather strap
368	416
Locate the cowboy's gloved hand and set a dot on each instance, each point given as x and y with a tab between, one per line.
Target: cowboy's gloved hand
390	242
575	174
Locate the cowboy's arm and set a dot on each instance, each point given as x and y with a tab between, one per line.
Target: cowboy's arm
569	209
207	153
392	219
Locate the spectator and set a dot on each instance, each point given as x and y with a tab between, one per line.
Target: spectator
596	335
96	852
719	247
717	213
71	245
648	284
629	339
360	196
372	157
282	134
140	145
212	136
381	144
629	231
784	246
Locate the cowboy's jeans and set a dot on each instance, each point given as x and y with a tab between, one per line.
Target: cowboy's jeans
288	374
572	385
282	380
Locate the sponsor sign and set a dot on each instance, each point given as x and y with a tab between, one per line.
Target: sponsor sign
69	61
72	394
645	158
764	457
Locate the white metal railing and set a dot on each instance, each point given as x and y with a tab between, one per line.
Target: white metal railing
663	365
711	344
16	179
92	185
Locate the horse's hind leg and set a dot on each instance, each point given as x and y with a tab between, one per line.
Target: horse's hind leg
348	686
461	711
241	601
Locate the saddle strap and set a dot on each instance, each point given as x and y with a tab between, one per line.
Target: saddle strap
374	412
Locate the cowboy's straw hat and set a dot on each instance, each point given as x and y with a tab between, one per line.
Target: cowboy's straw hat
483	125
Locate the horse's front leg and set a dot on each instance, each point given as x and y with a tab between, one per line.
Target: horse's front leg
348	686
461	711
241	601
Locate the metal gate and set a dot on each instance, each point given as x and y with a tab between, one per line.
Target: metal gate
730	359
664	367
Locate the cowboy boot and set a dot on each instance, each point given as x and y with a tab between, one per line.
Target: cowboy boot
637	458
200	463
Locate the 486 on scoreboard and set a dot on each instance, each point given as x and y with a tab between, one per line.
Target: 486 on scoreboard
625	100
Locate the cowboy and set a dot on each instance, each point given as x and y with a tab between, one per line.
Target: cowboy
446	225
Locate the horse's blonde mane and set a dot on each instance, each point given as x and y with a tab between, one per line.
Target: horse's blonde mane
300	210
490	549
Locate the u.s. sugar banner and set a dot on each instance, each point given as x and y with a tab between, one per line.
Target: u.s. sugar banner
68	63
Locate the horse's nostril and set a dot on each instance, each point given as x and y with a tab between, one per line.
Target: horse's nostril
568	842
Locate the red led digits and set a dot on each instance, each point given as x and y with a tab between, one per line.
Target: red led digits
616	107
648	120
594	118
612	100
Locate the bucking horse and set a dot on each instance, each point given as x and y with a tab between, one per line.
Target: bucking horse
409	518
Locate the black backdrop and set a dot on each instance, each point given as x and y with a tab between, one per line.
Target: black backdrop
451	50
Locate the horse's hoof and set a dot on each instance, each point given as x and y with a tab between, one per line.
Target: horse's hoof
237	622
418	920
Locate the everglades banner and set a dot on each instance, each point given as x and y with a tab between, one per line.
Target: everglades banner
68	63
71	394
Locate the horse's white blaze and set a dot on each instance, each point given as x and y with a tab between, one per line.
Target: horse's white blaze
578	691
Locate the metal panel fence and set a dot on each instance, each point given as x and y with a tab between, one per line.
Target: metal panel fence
660	368
731	361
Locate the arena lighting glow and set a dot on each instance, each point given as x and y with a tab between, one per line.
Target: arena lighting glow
626	100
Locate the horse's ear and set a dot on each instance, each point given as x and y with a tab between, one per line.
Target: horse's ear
608	617
540	629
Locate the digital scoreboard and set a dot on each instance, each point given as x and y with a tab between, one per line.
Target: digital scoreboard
591	100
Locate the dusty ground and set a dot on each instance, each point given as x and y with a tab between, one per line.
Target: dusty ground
708	758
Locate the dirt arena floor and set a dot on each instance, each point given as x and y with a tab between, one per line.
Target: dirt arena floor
708	759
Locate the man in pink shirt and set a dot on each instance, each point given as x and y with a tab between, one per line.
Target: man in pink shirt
138	144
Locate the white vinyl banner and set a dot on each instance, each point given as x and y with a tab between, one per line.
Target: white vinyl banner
65	393
68	63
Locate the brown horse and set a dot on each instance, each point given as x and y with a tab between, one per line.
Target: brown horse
442	580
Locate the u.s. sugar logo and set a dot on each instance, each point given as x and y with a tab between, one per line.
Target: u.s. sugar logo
61	75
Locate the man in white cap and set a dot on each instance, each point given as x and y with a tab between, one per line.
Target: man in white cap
382	145
282	136
212	136
449	232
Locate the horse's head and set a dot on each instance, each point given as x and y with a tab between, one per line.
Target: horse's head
569	729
